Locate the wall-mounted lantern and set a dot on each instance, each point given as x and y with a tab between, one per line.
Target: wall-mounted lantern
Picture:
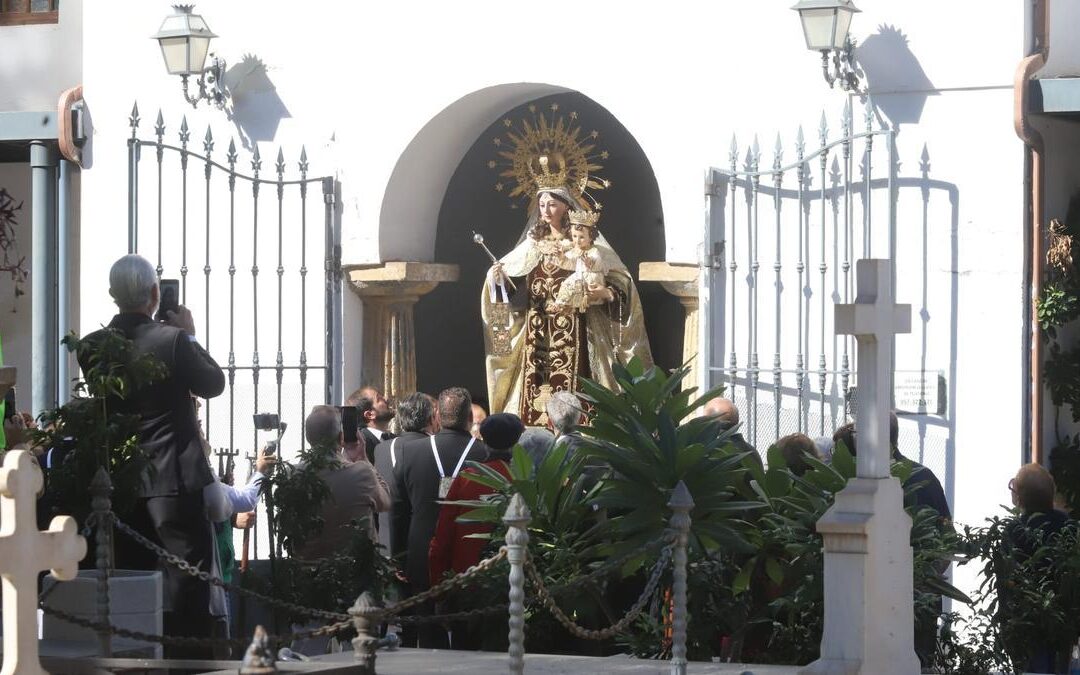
825	25
184	39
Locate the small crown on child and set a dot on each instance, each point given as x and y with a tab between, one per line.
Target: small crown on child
584	218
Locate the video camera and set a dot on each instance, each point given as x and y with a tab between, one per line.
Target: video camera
270	422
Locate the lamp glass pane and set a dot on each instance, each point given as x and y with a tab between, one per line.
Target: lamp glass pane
175	51
843	24
197	24
199	47
174	22
819	26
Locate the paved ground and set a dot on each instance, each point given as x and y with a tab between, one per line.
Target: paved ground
414	661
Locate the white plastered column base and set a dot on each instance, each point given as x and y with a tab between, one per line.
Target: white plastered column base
869	626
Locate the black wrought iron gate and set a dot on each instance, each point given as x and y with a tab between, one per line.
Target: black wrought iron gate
221	221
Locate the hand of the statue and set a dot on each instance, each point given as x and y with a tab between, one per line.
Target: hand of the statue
598	296
497	273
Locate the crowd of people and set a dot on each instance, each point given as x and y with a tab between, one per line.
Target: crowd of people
395	470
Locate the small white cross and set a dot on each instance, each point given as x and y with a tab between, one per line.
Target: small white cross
24	551
874	321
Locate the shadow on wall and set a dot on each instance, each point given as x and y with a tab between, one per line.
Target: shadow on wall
257	110
895	79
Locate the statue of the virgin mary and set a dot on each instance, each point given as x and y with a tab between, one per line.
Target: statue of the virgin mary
535	345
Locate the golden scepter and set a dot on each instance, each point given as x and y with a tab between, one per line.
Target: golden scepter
479	240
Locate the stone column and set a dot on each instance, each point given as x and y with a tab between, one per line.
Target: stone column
389	292
681	280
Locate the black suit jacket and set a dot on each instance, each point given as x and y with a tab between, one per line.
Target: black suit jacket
414	511
371	441
385	468
168	429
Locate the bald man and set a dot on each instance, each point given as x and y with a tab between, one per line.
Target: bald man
725	411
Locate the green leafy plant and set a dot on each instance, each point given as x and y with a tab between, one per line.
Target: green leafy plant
644	435
299	493
100	425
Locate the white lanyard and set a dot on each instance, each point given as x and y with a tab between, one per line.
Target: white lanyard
393	457
461	461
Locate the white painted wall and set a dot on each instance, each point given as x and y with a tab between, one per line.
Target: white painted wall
1064	57
683	78
38	62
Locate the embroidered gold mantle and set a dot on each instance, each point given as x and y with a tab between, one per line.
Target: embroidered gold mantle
548	352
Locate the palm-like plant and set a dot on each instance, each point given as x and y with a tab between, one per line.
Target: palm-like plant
643	436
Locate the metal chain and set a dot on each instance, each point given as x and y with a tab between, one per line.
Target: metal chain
99	626
454	582
666	538
186	567
457	581
615	628
453	616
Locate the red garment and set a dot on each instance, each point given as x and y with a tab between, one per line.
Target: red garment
450	549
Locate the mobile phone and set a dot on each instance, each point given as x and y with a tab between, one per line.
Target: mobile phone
170	298
350	422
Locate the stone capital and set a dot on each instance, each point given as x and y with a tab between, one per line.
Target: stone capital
681	280
398	280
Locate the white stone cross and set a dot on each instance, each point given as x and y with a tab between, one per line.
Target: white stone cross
874	321
24	551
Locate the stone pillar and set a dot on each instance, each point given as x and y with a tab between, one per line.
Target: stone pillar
681	280
389	292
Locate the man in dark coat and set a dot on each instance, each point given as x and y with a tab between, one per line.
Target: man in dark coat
416	416
422	476
373	416
171	510
728	416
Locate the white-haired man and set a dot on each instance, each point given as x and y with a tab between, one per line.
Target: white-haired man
171	509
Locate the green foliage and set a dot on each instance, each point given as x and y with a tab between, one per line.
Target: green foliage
1062	375
1065	465
1029	597
1057	305
331	584
643	436
299	493
99	425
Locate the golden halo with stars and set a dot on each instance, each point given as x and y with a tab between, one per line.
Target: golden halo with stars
558	137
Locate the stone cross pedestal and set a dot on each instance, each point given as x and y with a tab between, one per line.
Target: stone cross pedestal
24	551
868	568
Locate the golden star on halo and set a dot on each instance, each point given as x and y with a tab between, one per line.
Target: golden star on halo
498	187
532	108
491	164
595	134
604	155
573	115
554	107
497	142
507	123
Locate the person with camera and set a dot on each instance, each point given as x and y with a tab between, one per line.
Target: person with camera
171	509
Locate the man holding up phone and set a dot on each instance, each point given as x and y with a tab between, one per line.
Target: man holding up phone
171	509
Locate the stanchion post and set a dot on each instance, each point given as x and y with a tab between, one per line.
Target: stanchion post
680	504
364	644
101	505
517	519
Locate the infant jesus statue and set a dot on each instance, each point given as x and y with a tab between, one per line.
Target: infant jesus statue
584	259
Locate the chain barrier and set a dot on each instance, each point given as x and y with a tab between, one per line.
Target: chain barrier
666	538
98	626
457	581
186	567
614	629
344	621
